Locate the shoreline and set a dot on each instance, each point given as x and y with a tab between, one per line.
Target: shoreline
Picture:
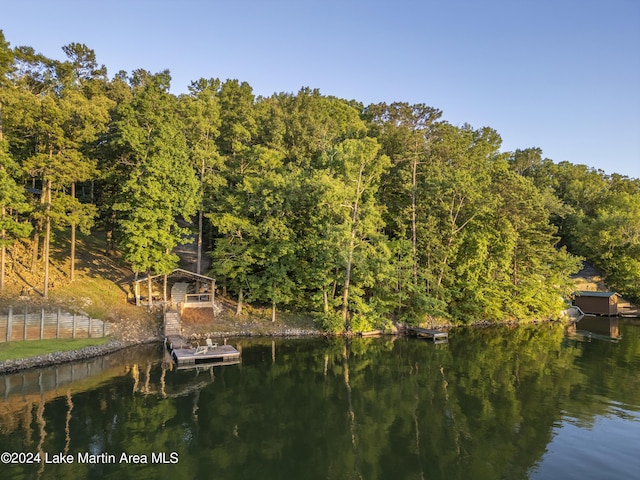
57	358
115	345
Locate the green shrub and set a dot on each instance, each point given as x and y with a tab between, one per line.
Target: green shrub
330	322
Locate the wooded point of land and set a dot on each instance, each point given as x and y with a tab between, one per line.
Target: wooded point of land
301	201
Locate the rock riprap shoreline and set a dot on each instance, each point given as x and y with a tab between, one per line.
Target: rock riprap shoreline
114	345
56	358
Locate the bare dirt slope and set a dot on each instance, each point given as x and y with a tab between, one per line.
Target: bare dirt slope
590	279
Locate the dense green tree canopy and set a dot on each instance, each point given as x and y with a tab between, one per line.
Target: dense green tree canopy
304	201
161	185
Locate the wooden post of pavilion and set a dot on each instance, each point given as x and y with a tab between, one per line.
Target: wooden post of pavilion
164	289
150	292
213	296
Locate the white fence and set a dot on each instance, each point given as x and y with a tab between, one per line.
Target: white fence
25	325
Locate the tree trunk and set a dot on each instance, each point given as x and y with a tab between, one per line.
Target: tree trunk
3	254
110	242
73	238
136	288
149	291
3	248
273	312
347	280
2	233
36	246
47	240
199	261
414	234
335	284
213	297
326	300
454	214
443	267
200	214
239	307
164	289
109	236
36	237
352	243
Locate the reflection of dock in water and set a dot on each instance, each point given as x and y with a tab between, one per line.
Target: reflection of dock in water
438	336
597	328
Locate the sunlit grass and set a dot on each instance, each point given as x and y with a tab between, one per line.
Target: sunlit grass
94	295
33	348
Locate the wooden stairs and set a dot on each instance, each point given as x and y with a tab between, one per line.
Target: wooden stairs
172	325
178	292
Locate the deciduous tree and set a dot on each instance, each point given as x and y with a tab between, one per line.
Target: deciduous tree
162	185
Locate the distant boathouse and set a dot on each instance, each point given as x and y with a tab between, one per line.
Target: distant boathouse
597	303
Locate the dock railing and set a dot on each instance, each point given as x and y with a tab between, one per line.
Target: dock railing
196	298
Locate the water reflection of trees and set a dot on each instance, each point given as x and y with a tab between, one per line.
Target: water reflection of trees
482	406
478	404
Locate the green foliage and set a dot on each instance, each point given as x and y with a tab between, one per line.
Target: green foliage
13	203
599	219
161	184
330	322
307	201
611	237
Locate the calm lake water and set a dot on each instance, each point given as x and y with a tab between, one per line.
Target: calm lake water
495	403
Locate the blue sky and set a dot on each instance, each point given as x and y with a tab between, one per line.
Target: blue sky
562	75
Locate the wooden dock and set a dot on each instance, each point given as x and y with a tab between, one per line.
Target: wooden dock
186	356
175	341
437	336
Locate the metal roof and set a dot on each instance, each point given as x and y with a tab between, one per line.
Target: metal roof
174	271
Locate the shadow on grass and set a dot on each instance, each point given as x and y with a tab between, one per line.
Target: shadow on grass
91	258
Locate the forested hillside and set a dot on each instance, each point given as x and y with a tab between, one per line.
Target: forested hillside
303	201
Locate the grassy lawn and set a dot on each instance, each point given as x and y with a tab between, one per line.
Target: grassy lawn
33	348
